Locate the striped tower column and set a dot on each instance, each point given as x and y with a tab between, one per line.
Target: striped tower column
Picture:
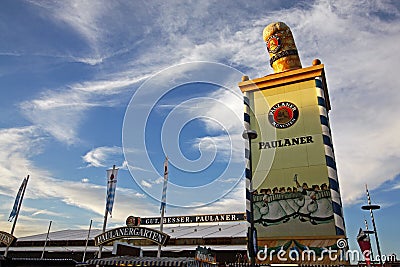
247	157
330	160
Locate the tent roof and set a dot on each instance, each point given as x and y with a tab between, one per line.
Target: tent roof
187	231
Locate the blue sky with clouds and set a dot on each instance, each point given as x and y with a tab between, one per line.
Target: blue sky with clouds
76	78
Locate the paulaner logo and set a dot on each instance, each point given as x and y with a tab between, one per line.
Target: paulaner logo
283	115
306	255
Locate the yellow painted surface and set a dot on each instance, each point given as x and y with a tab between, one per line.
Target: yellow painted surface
277	167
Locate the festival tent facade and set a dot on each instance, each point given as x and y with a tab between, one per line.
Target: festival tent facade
225	239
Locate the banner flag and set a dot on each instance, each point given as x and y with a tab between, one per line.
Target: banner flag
365	245
164	192
111	185
18	199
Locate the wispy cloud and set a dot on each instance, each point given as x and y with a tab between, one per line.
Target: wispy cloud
225	124
61	112
146	184
49	213
102	156
17	146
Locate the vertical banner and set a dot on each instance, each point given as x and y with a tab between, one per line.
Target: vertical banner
164	191
17	201
365	246
111	186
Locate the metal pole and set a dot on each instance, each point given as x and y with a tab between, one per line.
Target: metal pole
45	242
104	229
161	229
251	235
87	241
16	215
163	198
251	134
374	225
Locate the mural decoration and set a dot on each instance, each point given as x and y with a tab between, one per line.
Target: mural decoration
300	202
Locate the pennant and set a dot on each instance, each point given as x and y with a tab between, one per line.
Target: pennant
111	185
18	199
164	192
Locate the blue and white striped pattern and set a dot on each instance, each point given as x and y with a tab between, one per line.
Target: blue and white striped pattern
164	191
247	157
330	160
111	185
18	199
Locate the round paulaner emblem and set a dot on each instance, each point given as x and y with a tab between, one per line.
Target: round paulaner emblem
273	44
283	115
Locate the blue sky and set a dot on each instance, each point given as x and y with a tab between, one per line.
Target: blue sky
76	78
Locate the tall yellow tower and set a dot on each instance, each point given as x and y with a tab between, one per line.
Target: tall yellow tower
295	198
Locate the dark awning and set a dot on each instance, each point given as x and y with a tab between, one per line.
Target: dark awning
145	261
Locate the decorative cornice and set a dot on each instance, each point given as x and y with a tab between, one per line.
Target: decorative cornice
287	77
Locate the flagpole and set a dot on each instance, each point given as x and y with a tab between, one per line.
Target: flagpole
104	229
87	241
371	207
45	242
105	218
16	215
161	229
163	201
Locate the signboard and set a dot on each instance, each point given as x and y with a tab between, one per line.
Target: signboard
231	217
290	171
6	238
124	232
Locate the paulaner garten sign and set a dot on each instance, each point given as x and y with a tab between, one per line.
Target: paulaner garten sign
6	238
123	232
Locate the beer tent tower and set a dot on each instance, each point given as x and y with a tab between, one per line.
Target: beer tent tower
295	198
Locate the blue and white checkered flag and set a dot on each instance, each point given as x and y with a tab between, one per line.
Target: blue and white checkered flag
164	192
18	199
111	185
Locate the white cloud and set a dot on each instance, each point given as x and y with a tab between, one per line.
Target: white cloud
397	186
139	195
61	112
226	114
17	146
160	180
102	156
49	213
81	15
146	184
